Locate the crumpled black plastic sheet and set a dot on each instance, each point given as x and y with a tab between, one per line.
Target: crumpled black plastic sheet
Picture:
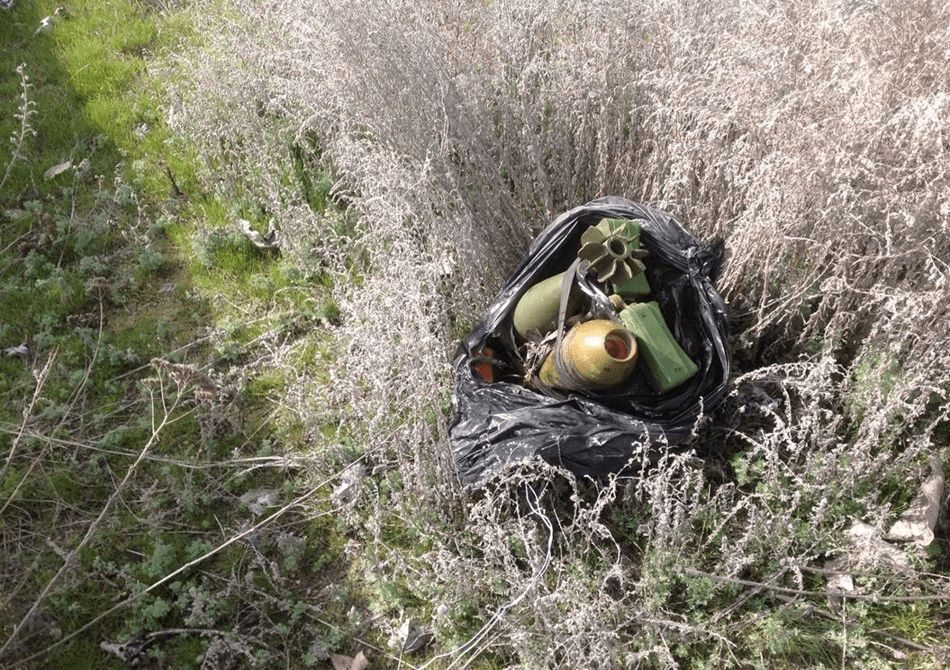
593	433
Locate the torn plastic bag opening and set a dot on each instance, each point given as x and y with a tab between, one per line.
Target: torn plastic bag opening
501	418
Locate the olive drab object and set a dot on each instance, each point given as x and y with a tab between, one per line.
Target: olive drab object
612	251
595	354
503	416
538	307
668	364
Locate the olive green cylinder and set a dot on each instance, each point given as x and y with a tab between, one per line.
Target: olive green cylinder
665	359
538	307
596	354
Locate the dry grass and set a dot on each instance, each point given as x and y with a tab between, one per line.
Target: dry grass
814	137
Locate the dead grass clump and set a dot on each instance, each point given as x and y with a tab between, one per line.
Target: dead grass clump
811	136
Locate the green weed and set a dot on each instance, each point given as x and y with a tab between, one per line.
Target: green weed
240	453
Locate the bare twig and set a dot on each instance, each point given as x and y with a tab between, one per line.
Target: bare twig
74	397
299	500
466	652
41	376
818	594
158	425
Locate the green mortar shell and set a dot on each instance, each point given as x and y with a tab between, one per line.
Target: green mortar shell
596	354
638	287
668	363
610	247
635	288
538	307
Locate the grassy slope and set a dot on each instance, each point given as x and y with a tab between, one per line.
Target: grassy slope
811	136
267	391
117	471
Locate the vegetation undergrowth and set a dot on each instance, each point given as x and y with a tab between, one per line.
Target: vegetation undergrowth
238	245
150	477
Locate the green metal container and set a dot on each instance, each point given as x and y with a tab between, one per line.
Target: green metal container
668	363
595	354
612	250
538	307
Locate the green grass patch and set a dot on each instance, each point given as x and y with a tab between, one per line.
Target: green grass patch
95	285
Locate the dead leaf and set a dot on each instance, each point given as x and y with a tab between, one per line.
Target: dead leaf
268	241
409	638
18	350
259	500
869	549
865	549
15	214
57	170
348	491
341	662
918	522
417	639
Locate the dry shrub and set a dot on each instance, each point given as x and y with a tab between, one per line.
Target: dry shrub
812	136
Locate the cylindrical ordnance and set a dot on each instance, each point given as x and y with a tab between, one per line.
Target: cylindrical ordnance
668	363
538	307
592	355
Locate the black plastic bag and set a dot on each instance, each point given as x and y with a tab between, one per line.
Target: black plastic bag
592	432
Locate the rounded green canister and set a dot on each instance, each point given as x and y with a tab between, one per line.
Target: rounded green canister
538	307
593	355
